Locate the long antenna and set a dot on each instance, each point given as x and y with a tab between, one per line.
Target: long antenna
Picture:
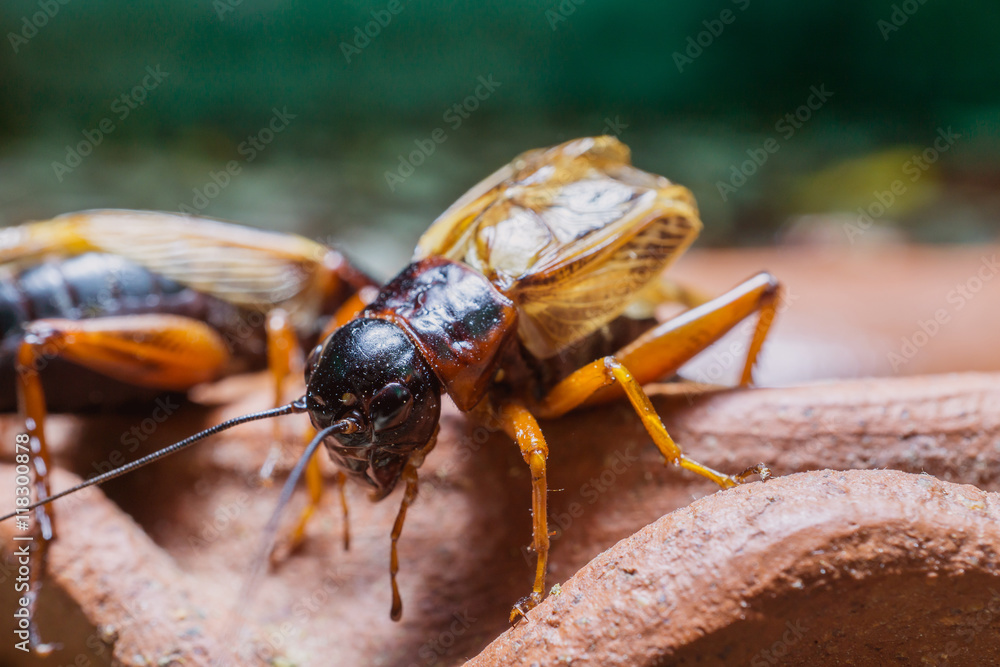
296	406
234	625
271	529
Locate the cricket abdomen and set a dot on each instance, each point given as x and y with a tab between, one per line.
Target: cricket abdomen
103	285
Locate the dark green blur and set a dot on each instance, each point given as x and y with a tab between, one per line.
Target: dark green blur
352	109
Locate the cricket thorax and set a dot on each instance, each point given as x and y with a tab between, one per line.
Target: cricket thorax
459	321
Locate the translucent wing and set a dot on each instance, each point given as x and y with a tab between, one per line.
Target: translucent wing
570	233
245	266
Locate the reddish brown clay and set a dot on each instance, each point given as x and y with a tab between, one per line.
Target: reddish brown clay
462	552
820	568
140	603
846	313
150	577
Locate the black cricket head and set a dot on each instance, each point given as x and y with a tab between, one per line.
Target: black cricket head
370	374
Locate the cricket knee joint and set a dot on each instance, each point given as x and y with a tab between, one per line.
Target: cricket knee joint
615	370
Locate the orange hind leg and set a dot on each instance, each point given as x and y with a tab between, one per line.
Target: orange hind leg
663	350
658	352
158	351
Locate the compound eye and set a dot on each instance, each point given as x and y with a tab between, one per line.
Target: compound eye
391	406
311	361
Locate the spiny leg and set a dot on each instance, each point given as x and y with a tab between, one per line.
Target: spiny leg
314	483
165	352
279	323
575	390
409	477
662	351
282	345
31	398
282	348
520	425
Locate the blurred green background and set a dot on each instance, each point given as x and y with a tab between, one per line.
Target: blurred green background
148	104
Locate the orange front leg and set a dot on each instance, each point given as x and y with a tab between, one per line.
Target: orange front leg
314	483
520	425
282	351
282	346
410	478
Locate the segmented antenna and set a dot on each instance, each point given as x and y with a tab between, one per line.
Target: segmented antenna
269	536
295	407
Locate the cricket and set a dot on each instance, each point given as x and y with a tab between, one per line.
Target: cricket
530	297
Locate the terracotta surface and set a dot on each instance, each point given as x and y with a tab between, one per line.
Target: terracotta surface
847	310
829	567
463	564
156	570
